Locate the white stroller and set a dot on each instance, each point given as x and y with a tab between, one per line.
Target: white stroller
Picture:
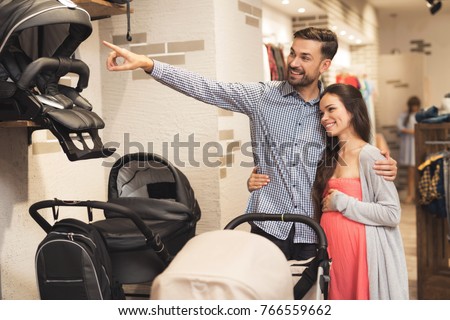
231	264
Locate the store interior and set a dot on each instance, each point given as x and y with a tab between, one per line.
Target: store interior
392	49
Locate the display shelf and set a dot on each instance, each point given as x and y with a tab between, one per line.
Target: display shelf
99	9
19	124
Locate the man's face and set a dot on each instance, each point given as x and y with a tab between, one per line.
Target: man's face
305	63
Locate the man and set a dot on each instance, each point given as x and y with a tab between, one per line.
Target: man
287	138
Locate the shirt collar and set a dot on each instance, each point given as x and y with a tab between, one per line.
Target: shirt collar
287	89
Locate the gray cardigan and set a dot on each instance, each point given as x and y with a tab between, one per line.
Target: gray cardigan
380	211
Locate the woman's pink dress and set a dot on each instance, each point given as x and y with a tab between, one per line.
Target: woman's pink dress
346	247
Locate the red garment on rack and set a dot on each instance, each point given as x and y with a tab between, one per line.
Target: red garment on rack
349	79
272	63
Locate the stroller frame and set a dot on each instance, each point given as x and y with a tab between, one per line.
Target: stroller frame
311	272
152	240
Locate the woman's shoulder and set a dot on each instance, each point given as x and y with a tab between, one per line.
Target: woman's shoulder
371	153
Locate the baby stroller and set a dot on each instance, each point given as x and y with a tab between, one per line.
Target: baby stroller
233	264
37	41
150	214
163	198
72	262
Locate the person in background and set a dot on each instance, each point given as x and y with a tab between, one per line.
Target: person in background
407	156
358	210
287	139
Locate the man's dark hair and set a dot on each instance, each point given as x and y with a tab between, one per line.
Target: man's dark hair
327	37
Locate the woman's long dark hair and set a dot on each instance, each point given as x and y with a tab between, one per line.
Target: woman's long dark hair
354	103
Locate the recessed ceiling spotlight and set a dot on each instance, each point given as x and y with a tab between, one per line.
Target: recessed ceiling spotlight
334	27
301	10
358	41
343	33
285	2
351	37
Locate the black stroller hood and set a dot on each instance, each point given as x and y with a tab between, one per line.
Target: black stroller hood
153	186
182	192
74	25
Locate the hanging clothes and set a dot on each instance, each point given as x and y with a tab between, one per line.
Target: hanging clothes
433	184
348	78
266	65
367	91
281	64
277	63
272	63
447	189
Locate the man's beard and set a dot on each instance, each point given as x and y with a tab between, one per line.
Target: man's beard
300	83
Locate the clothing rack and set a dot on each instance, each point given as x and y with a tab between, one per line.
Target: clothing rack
433	246
438	142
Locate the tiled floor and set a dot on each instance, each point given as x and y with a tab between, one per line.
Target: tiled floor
408	230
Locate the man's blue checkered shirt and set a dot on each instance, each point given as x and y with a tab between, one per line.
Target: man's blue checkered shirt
287	140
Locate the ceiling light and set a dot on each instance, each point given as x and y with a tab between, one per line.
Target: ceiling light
285	2
351	37
301	10
434	5
343	32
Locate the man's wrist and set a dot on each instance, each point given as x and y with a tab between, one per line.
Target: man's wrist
148	68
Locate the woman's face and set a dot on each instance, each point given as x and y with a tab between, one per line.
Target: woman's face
334	116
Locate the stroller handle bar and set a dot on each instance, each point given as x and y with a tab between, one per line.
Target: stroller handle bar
61	66
282	218
151	238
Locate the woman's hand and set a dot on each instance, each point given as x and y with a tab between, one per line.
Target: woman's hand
327	202
257	181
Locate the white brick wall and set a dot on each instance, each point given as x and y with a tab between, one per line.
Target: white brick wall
149	112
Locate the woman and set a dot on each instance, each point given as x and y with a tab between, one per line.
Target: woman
405	125
359	210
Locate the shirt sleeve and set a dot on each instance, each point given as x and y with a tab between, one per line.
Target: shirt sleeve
383	210
237	97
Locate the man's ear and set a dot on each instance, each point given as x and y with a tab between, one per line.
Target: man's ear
325	65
